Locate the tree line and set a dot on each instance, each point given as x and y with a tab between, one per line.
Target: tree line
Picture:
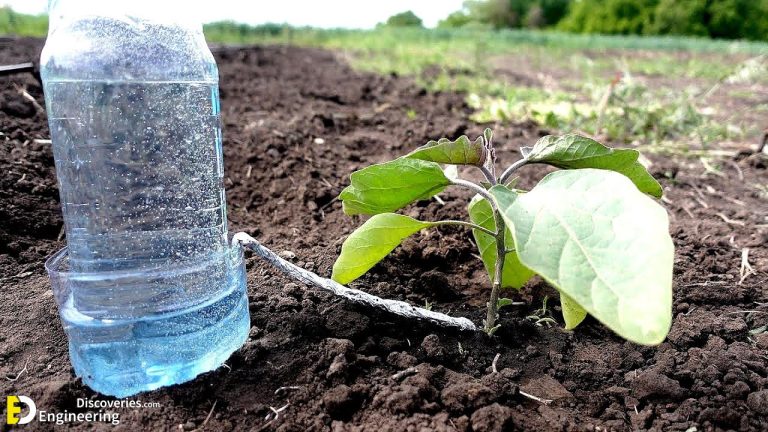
727	19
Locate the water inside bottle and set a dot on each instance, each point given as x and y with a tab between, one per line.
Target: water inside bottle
155	295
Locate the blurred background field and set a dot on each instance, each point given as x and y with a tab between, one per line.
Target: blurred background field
686	77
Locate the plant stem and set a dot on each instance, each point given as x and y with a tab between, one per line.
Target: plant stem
501	250
475	188
509	171
488	175
501	253
465	224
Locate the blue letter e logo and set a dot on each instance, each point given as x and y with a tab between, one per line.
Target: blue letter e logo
14	410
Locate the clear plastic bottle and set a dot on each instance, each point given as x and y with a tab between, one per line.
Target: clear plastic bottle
149	290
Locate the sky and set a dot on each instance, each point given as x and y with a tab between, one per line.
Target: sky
316	13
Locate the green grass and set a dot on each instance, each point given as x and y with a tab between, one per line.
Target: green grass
490	41
409	51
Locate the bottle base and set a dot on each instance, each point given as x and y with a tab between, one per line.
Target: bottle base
142	364
126	356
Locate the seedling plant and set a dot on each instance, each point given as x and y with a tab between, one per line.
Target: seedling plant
593	229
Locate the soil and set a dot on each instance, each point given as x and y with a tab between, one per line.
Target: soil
296	123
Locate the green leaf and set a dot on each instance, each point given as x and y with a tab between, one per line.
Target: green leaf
514	274
596	238
371	242
459	152
573	314
575	151
488	135
390	186
503	302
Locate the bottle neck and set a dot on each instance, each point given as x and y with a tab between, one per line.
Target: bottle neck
166	12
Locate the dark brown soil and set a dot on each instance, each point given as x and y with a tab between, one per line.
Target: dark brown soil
332	363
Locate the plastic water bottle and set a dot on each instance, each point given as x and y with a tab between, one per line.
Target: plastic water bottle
149	290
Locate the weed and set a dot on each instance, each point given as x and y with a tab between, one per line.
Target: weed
542	317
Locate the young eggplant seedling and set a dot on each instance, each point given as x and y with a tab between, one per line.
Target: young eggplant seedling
591	229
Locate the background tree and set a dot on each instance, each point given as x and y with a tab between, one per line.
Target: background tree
552	11
738	19
497	13
680	17
404	19
755	25
455	20
516	13
610	16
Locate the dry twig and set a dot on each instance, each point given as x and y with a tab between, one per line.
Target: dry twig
18	375
746	268
276	411
404	373
535	398
285	389
210	413
730	221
